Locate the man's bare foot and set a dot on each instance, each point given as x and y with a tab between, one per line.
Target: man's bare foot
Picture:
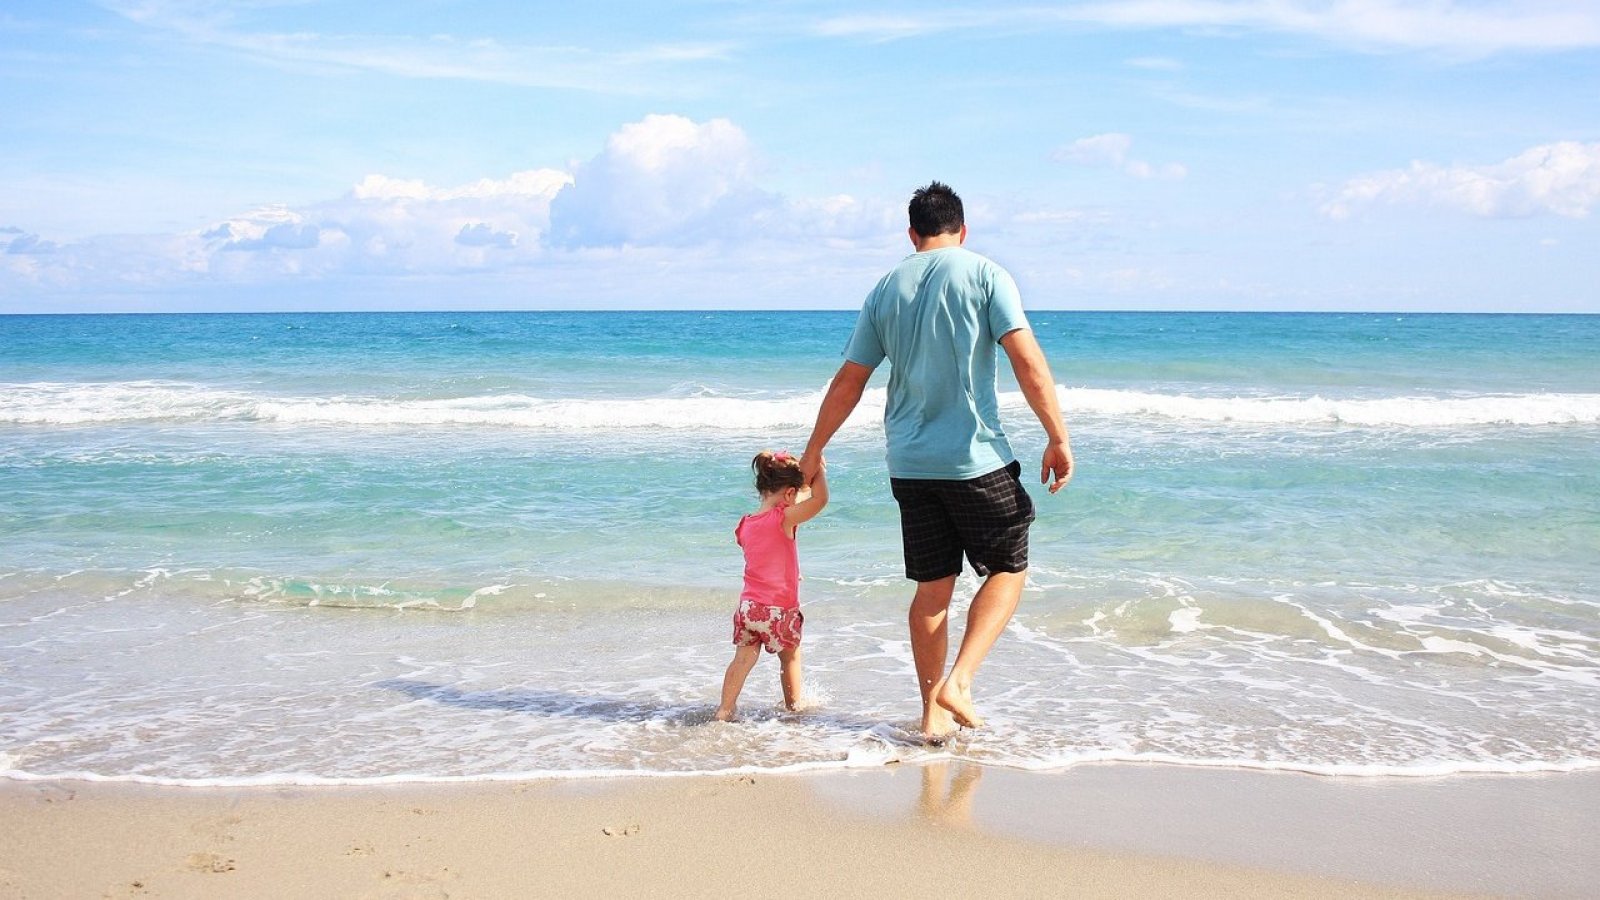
958	700
937	725
723	715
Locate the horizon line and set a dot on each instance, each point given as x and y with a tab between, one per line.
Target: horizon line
702	311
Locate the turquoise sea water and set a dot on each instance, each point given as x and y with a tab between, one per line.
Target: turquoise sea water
289	548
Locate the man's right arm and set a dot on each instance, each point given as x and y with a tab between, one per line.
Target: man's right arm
844	392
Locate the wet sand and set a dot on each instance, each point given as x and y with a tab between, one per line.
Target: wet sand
1094	831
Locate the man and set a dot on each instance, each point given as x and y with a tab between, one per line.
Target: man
937	317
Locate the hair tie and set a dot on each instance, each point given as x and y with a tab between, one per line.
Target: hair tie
782	456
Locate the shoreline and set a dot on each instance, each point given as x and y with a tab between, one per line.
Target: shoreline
1093	830
1376	773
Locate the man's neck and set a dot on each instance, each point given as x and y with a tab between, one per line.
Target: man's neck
938	241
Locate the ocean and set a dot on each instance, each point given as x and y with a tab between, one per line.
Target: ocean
367	548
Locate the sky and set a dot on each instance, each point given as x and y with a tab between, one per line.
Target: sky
1355	155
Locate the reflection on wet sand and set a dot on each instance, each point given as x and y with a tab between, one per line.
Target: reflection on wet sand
949	804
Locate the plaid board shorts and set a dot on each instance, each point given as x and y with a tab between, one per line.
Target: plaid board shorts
986	518
776	628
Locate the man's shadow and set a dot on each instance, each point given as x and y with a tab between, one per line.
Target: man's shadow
546	703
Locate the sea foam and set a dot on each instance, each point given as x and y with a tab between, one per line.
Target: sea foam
161	401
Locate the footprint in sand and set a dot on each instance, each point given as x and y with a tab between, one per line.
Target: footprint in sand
210	862
402	885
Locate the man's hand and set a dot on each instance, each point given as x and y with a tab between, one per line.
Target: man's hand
1057	464
810	465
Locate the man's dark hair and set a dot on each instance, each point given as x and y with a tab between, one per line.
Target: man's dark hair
935	210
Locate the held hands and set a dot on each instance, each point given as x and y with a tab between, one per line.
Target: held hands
1057	464
812	465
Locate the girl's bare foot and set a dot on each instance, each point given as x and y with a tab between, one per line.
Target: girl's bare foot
958	700
723	715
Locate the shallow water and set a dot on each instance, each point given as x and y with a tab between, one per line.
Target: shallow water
407	547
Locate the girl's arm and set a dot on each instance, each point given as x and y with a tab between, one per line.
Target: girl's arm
805	509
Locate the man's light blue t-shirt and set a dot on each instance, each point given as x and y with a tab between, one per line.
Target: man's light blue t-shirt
938	317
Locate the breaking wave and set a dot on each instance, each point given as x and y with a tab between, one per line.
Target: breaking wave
68	404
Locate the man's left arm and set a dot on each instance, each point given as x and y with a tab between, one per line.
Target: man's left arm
1039	387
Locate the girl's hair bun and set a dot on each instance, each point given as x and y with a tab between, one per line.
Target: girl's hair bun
776	470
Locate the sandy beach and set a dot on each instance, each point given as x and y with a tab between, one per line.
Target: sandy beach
1095	831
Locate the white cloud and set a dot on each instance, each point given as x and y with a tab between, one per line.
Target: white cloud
1448	26
839	219
665	191
287	237
15	242
387	224
384	226
480	234
541	184
447	57
877	27
1107	149
663	180
1112	150
1053	217
1561	178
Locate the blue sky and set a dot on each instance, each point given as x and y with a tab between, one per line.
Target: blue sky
443	154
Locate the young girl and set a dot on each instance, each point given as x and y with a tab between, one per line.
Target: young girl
769	607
